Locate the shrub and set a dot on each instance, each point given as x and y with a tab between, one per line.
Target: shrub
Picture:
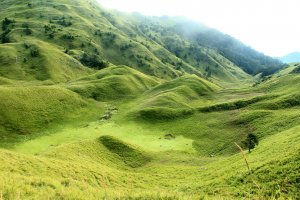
27	31
4	36
109	38
6	22
34	52
93	61
50	29
26	45
61	21
67	51
251	141
233	105
296	70
125	47
51	35
68	37
164	113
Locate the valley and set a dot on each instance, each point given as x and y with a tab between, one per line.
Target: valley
99	104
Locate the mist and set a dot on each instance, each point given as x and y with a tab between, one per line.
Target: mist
266	25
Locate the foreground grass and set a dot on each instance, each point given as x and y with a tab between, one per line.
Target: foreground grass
89	167
132	132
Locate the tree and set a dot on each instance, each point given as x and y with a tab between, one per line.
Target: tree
251	141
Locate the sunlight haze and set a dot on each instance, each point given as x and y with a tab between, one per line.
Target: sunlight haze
269	26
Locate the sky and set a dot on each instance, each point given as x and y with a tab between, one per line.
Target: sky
269	26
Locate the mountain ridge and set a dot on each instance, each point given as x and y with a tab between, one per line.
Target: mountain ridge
117	41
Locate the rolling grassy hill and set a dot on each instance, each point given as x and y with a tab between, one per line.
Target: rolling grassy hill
91	36
98	104
113	82
243	56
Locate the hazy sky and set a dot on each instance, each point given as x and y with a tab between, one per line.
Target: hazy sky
269	26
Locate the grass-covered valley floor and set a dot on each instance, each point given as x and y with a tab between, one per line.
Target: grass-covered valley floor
166	143
98	104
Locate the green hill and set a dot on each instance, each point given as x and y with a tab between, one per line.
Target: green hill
113	82
172	99
99	104
243	56
27	110
76	38
37	60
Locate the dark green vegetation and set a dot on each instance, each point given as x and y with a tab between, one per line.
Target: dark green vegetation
243	56
131	156
99	104
251	141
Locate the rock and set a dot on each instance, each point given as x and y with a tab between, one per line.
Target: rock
169	137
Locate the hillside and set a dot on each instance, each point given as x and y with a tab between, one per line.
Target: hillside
245	57
90	36
99	104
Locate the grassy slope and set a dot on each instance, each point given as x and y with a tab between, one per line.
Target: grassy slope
206	61
30	110
113	82
96	171
17	63
68	31
215	171
26	110
200	161
171	99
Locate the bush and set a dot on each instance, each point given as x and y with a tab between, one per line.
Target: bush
26	45
50	30
164	113
233	105
109	38
62	21
4	36
27	31
34	52
65	23
67	37
6	22
93	61
296	70
125	47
